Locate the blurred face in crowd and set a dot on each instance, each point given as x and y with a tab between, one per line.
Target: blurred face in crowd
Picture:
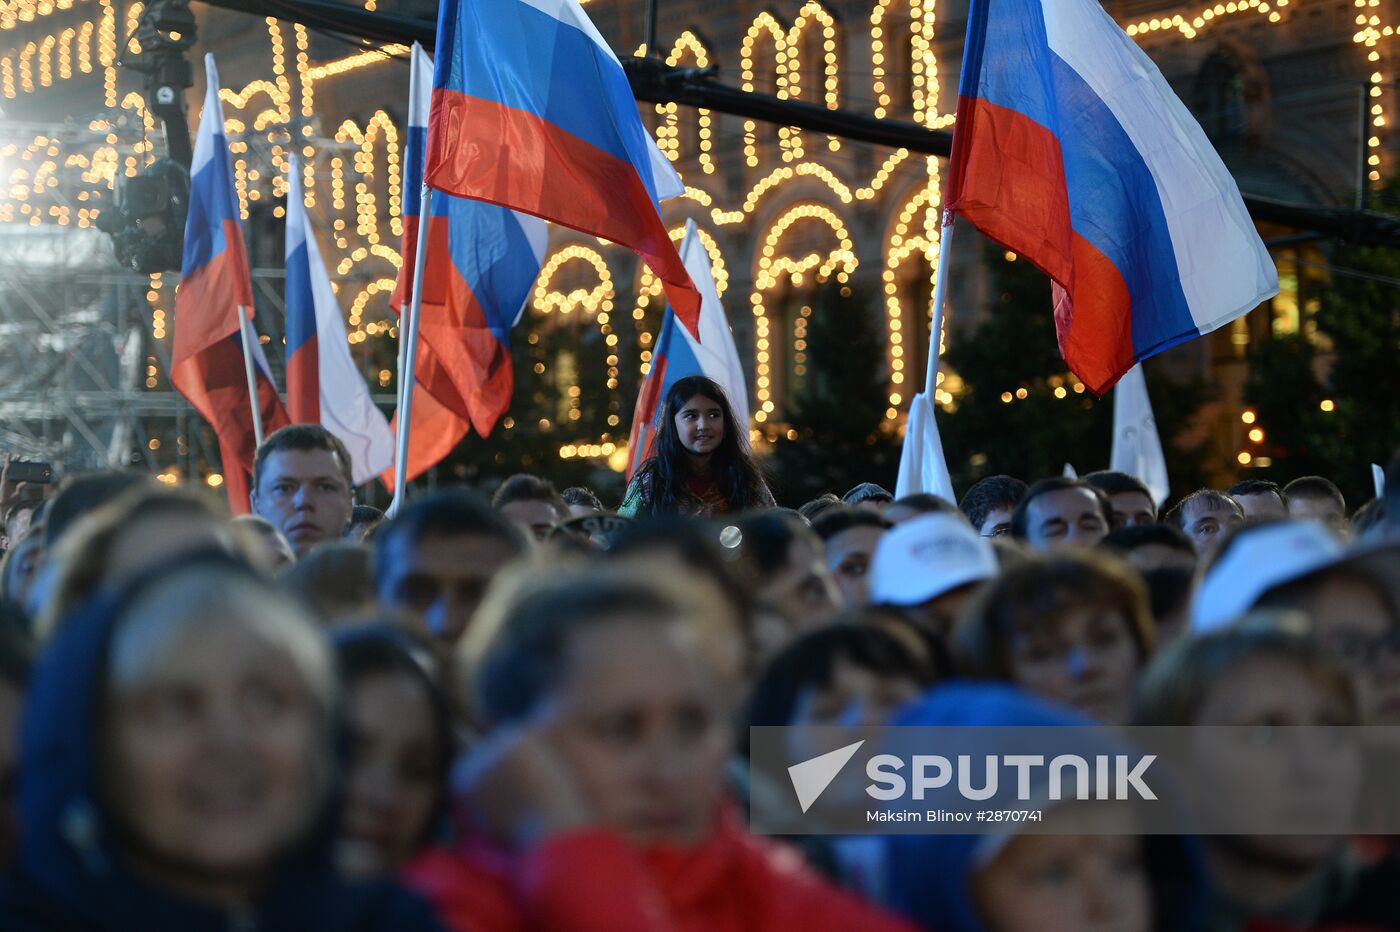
848	557
305	496
1320	508
1276	777
1154	556
1065	517
10	698
19	570
939	614
395	765
1084	657
1131	509
803	592
1206	521
357	530
18	522
214	749
855	696
1092	881
700	425
1351	617
441	579
150	542
581	510
997	523
1261	505
640	724
263	545
535	516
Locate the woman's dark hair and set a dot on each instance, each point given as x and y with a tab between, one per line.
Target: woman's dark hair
766	540
810	663
819	505
526	659
697	545
386	649
1174	687
1039	592
16	648
737	475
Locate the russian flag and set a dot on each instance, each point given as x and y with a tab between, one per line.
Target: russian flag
214	298
482	263
324	386
678	355
1072	150
532	110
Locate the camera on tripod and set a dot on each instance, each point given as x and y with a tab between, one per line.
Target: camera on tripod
146	218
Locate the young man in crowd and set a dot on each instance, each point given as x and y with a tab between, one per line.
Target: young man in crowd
928	569
1259	498
302	485
851	535
581	502
990	502
532	503
435	559
869	496
363	520
1061	512
1129	501
1204	517
1317	498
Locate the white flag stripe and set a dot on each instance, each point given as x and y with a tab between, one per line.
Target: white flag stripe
922	466
1137	448
347	410
716	352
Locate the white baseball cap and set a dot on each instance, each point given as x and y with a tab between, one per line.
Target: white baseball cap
1256	561
927	556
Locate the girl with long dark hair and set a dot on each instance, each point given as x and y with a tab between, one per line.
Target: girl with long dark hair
702	465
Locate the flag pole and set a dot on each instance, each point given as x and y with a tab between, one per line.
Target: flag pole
248	370
408	351
940	284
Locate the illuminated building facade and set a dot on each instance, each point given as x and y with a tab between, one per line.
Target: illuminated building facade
1284	88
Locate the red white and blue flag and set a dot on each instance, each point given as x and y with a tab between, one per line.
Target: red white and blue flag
1071	149
678	355
481	265
324	386
214	294
532	110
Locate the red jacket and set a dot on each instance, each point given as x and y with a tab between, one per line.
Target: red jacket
595	881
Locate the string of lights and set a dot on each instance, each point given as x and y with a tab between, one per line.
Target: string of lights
352	173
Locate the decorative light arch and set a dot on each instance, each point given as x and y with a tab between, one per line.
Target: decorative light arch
688	45
649	287
916	232
596	302
774	269
923	61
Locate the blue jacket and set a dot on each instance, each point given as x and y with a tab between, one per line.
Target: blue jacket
930	876
70	873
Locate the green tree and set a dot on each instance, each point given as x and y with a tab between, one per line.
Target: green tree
1328	396
838	409
1021	411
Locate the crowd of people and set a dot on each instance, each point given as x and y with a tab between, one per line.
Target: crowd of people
533	712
